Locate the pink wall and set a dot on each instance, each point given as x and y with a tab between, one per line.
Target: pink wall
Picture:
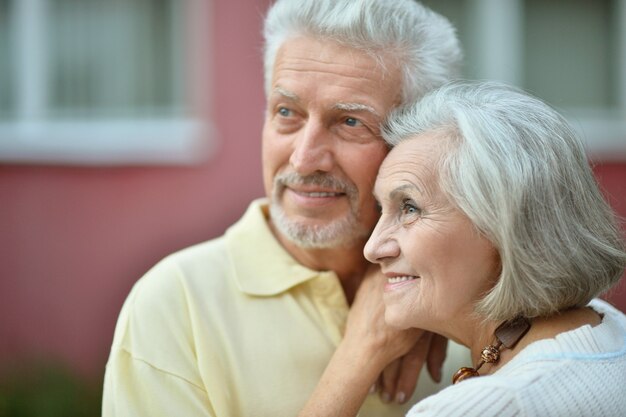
612	179
74	240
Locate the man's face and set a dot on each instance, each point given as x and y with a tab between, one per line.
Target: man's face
321	140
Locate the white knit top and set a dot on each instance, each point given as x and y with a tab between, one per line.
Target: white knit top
581	372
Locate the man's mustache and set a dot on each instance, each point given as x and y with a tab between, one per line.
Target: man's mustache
320	179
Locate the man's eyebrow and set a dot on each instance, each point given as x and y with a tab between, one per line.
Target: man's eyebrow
356	107
286	93
339	106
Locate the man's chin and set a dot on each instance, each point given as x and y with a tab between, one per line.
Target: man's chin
315	233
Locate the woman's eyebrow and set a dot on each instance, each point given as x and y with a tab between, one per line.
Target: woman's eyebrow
402	190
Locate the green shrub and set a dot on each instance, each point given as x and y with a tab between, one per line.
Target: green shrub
46	390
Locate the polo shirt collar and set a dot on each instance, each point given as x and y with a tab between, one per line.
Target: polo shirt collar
262	266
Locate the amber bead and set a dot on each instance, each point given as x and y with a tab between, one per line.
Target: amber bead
464	373
490	354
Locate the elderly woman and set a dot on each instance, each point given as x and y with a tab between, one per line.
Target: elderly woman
494	234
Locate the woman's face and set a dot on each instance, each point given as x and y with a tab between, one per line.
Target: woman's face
436	263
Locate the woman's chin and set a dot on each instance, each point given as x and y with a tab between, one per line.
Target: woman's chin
396	319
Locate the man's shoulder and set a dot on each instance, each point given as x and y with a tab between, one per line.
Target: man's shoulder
250	230
161	298
186	269
205	264
198	253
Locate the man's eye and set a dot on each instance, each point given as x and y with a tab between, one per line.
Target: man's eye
351	121
284	111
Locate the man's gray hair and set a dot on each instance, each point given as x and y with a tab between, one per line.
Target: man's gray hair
514	166
423	42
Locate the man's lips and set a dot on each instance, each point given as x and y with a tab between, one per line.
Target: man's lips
318	194
309	198
314	192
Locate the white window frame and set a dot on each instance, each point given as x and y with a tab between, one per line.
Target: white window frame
498	31
32	138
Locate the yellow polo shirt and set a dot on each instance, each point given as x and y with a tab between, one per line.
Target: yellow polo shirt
233	327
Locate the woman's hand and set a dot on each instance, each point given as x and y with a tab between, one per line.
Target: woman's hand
367	333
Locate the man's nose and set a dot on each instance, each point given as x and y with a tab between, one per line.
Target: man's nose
313	149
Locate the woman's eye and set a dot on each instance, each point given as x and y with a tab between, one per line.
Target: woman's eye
408	207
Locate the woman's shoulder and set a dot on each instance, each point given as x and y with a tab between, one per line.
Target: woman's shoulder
483	396
541	387
564	375
606	309
605	341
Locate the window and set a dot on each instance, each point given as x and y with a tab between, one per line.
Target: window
571	53
6	94
91	81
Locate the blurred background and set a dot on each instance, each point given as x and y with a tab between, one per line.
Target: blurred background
131	129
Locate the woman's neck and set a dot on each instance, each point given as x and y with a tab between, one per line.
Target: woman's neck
540	328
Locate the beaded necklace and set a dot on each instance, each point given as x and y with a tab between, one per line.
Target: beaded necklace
507	335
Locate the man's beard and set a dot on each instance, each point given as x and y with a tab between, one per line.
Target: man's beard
337	233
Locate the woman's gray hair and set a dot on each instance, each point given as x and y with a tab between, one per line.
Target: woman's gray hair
514	166
423	42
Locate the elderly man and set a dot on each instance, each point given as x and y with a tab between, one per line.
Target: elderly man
244	325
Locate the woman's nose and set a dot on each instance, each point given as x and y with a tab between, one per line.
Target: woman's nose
381	245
